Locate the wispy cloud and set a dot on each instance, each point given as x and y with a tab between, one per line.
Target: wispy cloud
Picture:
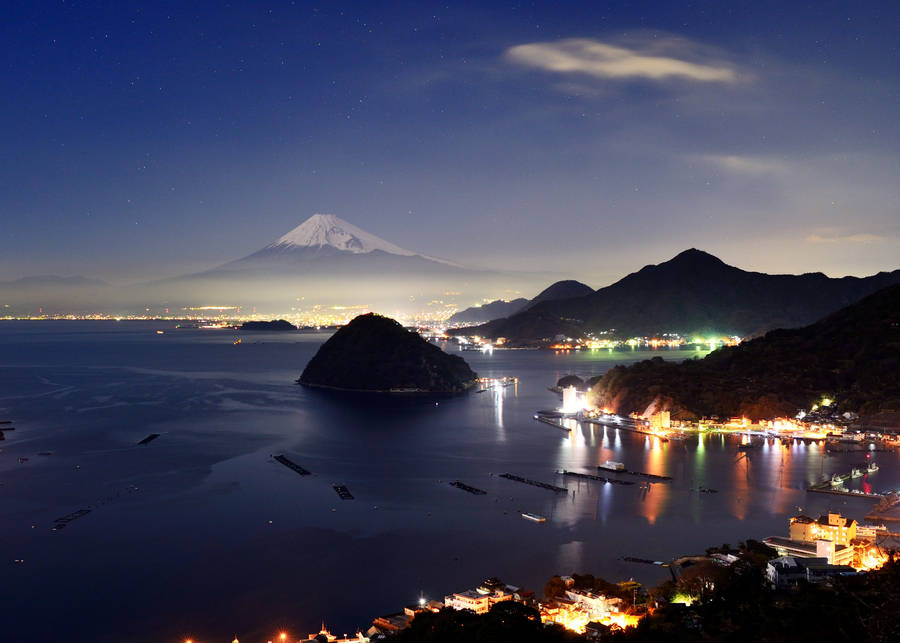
658	59
747	165
833	236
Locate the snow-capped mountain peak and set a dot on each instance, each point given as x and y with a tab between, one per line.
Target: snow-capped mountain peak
328	230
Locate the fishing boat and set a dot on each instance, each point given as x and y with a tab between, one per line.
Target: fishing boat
836	480
872	468
534	517
856	473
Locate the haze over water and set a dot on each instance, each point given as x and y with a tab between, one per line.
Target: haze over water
201	533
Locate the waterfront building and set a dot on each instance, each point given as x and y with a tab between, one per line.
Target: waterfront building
596	607
870	533
661	420
833	554
324	636
832	526
480	600
787	571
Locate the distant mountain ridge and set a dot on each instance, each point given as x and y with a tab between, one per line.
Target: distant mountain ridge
500	308
693	292
53	280
851	356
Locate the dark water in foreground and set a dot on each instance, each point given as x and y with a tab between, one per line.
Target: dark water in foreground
201	534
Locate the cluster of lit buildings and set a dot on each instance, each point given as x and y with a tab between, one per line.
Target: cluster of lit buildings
825	546
575	610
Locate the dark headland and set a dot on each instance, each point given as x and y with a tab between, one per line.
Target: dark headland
376	354
275	324
851	356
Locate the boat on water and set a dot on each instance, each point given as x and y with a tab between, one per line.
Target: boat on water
856	473
836	480
527	515
872	468
612	466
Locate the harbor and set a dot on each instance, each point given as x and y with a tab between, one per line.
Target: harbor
834	485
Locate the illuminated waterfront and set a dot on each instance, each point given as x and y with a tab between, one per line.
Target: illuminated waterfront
202	522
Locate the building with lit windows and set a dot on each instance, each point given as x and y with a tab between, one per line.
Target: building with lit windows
833	527
480	600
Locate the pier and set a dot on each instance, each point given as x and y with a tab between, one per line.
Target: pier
554	424
829	487
342	491
588	476
150	438
826	487
626	425
291	465
534	483
473	490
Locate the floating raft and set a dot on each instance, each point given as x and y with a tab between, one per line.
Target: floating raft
342	491
291	465
150	438
467	488
649	476
588	476
534	483
60	523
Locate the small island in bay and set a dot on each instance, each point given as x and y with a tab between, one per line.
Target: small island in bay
376	354
275	324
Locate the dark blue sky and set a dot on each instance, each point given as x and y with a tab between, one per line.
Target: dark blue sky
149	139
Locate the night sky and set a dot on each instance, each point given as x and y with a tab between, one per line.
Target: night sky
144	140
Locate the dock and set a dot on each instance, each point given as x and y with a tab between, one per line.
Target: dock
469	489
342	491
626	425
588	476
291	465
644	561
554	424
534	483
827	488
649	476
150	438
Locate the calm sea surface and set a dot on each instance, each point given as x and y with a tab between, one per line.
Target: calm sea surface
201	534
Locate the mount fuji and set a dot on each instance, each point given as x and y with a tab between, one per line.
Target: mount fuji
328	261
327	242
